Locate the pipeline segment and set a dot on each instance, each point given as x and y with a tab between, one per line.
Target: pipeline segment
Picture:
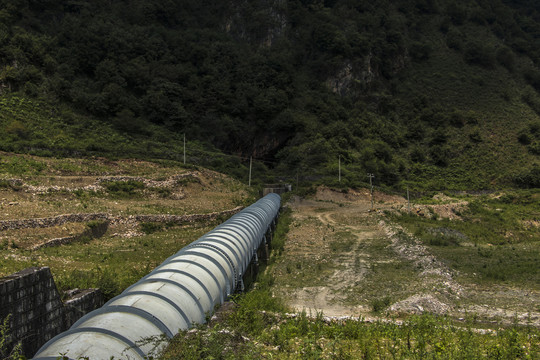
182	291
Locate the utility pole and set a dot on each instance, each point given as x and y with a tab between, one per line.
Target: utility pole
408	201
184	148
250	163
339	168
371	176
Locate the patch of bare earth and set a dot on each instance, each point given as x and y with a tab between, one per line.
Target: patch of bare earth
341	257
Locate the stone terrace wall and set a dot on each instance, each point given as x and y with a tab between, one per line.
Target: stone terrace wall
37	314
71	218
51	221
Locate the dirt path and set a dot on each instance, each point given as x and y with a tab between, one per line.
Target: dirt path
343	259
331	230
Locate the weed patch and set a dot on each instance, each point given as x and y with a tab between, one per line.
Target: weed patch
342	242
124	189
267	334
150	227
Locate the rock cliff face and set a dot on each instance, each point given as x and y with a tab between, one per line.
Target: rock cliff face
271	19
357	77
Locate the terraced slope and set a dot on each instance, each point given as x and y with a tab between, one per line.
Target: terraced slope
103	223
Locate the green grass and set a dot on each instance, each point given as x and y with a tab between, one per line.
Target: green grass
386	279
110	263
124	189
496	241
114	265
258	328
21	166
342	241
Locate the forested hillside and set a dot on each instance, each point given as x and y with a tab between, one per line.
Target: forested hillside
431	93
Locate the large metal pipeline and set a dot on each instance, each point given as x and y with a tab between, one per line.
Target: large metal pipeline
182	291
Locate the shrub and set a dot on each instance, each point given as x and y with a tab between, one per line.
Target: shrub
530	97
528	178
151	227
524	138
532	76
440	155
96	223
7	350
475	136
455	39
457	14
505	57
124	188
420	51
534	147
13	185
17	129
479	54
378	305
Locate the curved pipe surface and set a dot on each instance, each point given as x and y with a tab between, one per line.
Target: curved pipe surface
182	291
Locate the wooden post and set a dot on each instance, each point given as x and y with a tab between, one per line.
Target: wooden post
408	201
250	163
339	179
371	176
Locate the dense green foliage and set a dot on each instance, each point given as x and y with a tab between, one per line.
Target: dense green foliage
437	92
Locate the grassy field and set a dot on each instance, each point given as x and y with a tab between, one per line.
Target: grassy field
36	187
497	237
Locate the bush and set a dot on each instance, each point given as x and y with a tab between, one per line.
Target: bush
534	147
18	129
528	178
124	188
531	98
524	138
505	57
532	76
479	54
378	305
457	14
420	51
7	350
440	155
455	39
12	185
151	227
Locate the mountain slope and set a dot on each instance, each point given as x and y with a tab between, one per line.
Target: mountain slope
437	94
